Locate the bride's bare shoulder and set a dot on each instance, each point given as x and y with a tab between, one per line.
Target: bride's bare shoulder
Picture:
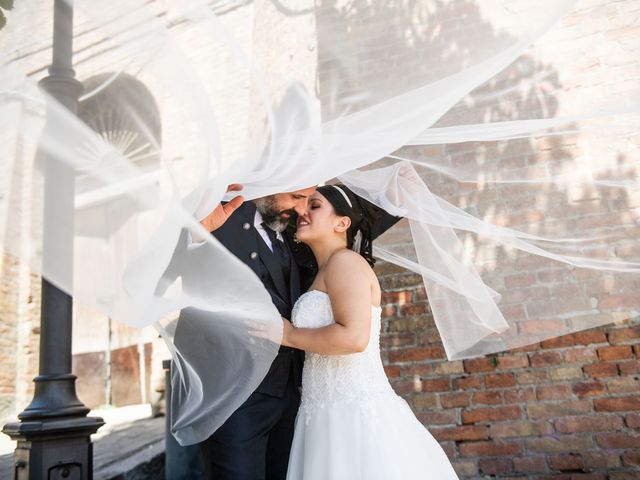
345	262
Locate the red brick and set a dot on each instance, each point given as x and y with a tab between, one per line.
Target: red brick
500	380
528	378
489	449
623	385
615	353
580	355
558	409
484	364
629	368
559	342
400	297
403	386
561	373
600	370
448	368
599	423
507	362
520	429
624	335
633	420
468	383
421	293
631	459
566	462
495	466
553	392
416	354
545	359
389	311
624	300
624	476
589	337
564	443
398	339
453	400
449	448
438	417
530	464
618	440
436	385
519	395
430	337
419	370
414	309
425	400
587	389
492	414
575	476
486	398
527	348
520	280
465	468
464	432
601	459
392	371
617	404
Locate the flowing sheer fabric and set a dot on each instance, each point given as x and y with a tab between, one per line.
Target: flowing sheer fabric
506	132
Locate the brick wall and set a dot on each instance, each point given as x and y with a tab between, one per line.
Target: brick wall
563	408
566	408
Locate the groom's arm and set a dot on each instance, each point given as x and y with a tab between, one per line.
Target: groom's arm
181	262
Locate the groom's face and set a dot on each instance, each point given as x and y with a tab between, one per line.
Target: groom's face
278	209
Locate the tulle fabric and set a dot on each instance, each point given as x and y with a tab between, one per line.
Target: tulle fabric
506	132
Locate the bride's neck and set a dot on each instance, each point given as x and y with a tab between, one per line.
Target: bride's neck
323	250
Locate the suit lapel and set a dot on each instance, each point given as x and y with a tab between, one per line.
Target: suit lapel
272	265
294	284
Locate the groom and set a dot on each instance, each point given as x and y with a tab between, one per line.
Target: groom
254	443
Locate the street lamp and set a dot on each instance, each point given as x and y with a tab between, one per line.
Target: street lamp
54	432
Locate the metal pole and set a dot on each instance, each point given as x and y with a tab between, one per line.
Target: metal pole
54	432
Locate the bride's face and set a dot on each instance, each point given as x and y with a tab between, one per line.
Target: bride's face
320	221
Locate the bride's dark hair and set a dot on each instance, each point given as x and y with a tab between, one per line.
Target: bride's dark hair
363	215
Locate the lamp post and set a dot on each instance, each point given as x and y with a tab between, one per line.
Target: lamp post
54	432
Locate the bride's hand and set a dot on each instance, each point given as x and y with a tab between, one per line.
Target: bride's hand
259	330
287	329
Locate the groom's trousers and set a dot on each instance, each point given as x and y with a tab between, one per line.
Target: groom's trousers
254	443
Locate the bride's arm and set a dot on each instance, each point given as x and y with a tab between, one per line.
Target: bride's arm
347	278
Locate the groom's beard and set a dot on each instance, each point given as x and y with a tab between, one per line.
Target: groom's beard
272	217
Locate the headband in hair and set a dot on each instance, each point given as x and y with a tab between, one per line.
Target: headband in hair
343	194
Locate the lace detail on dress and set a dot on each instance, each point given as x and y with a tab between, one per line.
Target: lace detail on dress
328	379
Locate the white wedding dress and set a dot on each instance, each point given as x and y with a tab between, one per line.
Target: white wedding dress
351	425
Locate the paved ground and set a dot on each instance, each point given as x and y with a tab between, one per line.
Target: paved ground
129	438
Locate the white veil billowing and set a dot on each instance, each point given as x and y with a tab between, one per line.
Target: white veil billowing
505	132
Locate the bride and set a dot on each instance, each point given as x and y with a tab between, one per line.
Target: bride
350	425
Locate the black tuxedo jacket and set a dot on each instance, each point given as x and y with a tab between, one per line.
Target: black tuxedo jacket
239	235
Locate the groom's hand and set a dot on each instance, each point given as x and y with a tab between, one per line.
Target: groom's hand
222	212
